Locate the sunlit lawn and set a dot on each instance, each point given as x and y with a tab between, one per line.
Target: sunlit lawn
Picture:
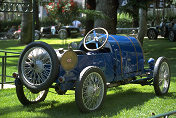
129	101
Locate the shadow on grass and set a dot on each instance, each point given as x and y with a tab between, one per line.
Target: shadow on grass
113	104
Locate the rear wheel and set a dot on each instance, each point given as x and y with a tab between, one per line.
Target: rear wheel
164	32
26	97
62	34
161	76
172	36
152	34
90	89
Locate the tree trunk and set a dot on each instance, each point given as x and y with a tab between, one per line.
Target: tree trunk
135	16
154	14
0	6
136	20
91	5
142	24
108	8
37	24
26	32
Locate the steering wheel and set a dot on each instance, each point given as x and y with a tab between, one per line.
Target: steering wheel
98	36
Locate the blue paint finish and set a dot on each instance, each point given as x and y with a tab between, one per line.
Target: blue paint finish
132	54
123	60
139	53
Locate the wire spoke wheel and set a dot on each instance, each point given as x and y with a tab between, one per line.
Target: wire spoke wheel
93	89
62	34
152	34
26	97
38	66
172	37
164	77
161	76
33	97
90	90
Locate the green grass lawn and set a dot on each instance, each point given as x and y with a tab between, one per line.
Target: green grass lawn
127	101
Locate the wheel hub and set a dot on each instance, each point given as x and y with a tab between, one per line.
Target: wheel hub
38	66
96	91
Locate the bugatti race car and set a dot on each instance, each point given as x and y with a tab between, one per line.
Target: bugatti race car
101	61
60	32
165	29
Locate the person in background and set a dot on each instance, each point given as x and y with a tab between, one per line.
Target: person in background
76	23
18	32
53	30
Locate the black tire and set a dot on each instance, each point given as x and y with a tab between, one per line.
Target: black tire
97	91
172	36
152	34
16	36
38	66
26	97
161	76
37	35
62	34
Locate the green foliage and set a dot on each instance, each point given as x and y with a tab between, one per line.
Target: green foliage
133	4
174	2
124	20
93	14
63	11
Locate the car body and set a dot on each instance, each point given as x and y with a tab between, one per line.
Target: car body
101	61
161	29
61	32
172	32
165	29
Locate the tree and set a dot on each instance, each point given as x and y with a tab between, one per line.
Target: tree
142	24
143	19
26	32
174	2
37	21
64	11
0	6
108	8
91	5
132	8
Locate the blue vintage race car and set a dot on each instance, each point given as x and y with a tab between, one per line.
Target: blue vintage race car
101	61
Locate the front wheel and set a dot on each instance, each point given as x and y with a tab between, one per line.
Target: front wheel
152	34
90	89
26	97
161	76
37	35
172	36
